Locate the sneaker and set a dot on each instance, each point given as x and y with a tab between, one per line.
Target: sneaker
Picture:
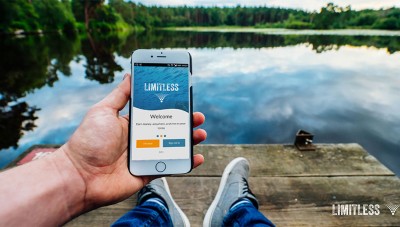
232	188
158	188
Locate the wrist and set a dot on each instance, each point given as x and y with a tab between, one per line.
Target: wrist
51	184
73	185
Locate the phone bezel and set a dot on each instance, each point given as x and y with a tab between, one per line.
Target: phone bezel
173	166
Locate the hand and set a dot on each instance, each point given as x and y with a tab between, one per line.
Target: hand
98	150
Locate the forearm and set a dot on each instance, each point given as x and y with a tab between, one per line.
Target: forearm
52	179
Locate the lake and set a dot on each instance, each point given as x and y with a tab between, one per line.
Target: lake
254	88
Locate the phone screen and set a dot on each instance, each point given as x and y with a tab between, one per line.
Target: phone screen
160	124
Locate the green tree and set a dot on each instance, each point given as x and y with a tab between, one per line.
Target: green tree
142	16
17	14
332	16
365	19
84	10
325	18
390	23
54	14
125	9
105	19
389	19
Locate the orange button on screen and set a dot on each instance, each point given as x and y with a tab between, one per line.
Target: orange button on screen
147	143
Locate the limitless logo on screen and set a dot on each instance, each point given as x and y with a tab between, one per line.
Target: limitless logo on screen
161	87
161	97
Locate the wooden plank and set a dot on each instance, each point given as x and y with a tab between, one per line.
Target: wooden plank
287	201
297	201
286	160
294	188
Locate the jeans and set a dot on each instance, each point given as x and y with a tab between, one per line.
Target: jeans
245	215
153	214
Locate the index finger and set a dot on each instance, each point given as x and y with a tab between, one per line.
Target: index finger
198	119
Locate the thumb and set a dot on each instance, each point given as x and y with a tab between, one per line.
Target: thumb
118	98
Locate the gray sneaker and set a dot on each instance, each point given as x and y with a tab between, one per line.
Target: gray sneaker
233	187
159	187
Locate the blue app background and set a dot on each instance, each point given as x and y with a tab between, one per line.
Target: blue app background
148	100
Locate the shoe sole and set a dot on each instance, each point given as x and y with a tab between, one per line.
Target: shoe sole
211	209
185	219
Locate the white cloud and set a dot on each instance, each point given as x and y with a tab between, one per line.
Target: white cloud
228	61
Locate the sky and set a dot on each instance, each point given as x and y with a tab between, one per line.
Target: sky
309	5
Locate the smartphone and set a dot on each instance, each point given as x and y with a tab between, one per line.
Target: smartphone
160	110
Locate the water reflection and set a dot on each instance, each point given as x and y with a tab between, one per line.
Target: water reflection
99	54
255	89
333	95
27	64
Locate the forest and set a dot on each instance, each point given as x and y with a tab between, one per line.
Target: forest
118	15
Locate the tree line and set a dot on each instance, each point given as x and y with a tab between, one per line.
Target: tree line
97	15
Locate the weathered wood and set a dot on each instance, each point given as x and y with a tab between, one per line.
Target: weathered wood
286	160
294	188
287	201
297	201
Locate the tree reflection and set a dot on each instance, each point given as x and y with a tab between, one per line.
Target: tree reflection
323	43
62	50
186	39
99	53
28	64
14	120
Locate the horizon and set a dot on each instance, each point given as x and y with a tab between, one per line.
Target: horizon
307	5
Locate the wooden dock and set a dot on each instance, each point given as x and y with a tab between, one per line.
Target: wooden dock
294	188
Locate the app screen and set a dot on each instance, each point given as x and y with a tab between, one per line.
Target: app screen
160	112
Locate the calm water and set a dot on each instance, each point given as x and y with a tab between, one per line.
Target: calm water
253	88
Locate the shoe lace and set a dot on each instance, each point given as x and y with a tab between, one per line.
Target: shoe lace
149	188
245	188
146	191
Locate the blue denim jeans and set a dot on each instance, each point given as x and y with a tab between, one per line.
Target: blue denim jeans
245	214
153	214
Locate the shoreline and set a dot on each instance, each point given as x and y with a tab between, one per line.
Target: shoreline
285	31
233	29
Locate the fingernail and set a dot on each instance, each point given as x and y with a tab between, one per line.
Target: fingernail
126	75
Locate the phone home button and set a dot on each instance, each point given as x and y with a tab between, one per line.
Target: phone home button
160	167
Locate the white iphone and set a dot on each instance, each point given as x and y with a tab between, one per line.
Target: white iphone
160	110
